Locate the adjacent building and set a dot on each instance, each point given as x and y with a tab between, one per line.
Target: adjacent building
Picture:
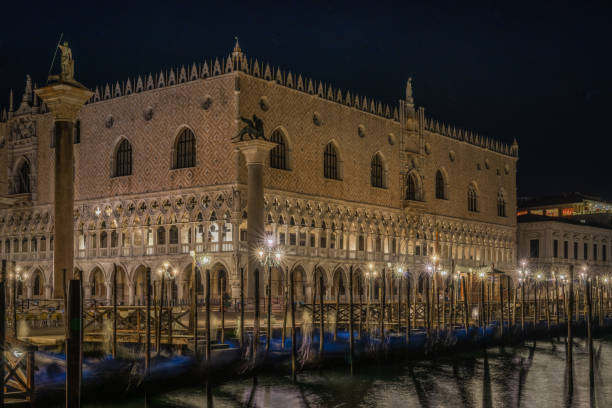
551	244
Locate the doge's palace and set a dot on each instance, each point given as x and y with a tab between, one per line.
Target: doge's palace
159	173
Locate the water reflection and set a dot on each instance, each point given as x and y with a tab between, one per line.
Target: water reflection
527	376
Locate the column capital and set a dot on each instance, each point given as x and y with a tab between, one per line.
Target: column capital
255	151
64	99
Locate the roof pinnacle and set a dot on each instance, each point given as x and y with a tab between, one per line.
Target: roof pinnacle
237	51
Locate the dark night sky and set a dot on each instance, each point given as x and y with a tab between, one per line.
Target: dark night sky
540	72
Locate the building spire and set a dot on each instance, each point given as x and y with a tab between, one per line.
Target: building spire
515	147
11	101
409	98
237	52
26	99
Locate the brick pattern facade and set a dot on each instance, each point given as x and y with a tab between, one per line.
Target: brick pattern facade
298	201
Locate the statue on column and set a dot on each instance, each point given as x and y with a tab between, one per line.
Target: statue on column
254	129
67	62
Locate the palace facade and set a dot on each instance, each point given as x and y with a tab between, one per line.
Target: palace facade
351	181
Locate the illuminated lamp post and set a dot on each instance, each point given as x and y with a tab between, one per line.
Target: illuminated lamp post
203	262
269	256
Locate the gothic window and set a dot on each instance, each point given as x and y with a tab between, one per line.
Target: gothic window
173	235
440	186
7	246
185	150
377	177
114	239
472	198
412	188
330	162
501	204
279	155
24	245
22	182
161	236
123	159
36	289
34	245
361	243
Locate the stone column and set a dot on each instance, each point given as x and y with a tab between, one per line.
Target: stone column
64	99
255	153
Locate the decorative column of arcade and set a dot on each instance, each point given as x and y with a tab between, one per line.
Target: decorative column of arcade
64	99
255	152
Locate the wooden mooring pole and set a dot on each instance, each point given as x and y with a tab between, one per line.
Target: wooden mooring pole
589	302
194	305
466	315
241	307
350	312
293	334
148	322
408	320
160	313
208	337
73	346
570	338
321	316
2	327
501	306
114	345
223	310
14	299
269	314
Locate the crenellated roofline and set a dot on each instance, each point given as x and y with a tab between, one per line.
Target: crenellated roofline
238	62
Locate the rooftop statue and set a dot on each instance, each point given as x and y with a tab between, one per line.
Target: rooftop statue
254	129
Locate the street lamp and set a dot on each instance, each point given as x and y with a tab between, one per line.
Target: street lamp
269	256
202	262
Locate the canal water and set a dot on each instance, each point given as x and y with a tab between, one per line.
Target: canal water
532	375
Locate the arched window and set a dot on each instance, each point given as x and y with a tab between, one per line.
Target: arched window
472	197
330	162
173	235
501	204
279	155
440	186
161	236
123	159
114	239
377	177
185	150
36	287
22	179
412	188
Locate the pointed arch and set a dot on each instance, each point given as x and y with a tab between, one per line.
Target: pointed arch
184	149
122	158
280	157
501	203
332	162
441	185
22	176
378	171
472	197
414	189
